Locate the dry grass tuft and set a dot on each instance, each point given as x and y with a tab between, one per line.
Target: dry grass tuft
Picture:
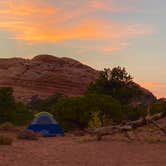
87	139
5	140
7	126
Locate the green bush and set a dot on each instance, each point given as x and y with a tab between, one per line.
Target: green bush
43	105
109	108
72	113
5	140
157	107
12	111
21	115
134	113
80	112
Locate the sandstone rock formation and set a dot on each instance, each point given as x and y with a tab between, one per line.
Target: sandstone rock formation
45	75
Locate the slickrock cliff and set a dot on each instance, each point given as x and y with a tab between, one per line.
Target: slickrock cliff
45	75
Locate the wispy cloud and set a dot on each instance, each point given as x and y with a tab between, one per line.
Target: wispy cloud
84	29
115	46
41	21
25	8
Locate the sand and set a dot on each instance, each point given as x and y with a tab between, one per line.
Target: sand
79	151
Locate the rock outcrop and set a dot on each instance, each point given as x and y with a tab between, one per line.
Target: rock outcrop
45	75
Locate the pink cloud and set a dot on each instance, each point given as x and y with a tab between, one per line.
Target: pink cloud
153	84
114	47
25	8
158	88
108	5
36	22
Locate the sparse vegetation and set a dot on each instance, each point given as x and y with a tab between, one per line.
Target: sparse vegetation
11	111
79	112
7	126
108	101
5	140
37	104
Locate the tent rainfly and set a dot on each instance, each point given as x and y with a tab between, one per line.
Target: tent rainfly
45	124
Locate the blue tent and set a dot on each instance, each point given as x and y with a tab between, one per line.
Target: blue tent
45	124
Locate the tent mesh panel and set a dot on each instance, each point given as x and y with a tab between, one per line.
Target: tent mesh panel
44	120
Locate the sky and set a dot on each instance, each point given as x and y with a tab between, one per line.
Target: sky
99	33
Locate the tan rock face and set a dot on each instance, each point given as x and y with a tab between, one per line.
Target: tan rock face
45	75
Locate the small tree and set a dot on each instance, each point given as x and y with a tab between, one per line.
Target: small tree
6	98
119	84
38	104
7	103
11	111
118	74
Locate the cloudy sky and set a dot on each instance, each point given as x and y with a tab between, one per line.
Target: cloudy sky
100	33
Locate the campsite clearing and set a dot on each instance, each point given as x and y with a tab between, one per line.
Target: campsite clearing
79	151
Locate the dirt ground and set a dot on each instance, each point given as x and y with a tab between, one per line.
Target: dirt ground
85	151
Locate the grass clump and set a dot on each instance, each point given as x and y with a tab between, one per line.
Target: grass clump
7	126
5	140
28	135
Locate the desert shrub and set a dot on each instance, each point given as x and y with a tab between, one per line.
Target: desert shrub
71	113
80	112
95	121
108	108
7	103
28	135
12	111
43	105
6	98
5	140
157	107
7	126
21	114
134	113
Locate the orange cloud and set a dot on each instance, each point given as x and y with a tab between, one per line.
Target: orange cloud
48	32
34	21
153	84
107	5
158	88
25	8
84	29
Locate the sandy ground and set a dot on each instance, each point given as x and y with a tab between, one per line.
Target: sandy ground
85	151
75	151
